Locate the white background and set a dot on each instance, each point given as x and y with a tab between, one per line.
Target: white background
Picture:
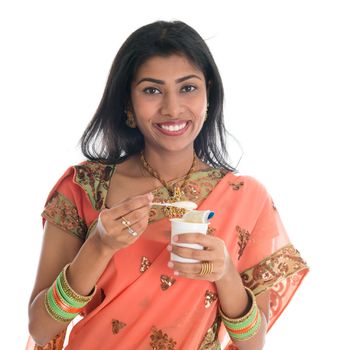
285	67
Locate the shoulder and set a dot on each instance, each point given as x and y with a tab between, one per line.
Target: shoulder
91	171
94	179
88	178
248	184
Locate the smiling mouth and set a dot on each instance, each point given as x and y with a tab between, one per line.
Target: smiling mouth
173	128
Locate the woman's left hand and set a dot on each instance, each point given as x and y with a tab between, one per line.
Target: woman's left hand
215	252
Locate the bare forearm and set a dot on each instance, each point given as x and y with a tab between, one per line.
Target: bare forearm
82	276
88	266
232	295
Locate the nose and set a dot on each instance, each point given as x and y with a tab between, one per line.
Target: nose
171	105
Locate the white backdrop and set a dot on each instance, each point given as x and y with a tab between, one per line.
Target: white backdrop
285	67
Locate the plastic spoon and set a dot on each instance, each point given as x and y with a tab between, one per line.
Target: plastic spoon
185	205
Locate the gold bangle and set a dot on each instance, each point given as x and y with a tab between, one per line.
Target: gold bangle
52	313
70	291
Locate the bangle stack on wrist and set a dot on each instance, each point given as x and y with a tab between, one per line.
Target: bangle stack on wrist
244	327
62	303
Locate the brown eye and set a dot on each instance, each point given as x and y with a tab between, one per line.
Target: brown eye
189	88
151	91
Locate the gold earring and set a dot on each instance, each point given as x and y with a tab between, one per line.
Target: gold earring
130	121
206	113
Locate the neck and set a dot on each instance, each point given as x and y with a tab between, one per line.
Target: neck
169	165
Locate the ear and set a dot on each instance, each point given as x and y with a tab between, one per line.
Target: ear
128	106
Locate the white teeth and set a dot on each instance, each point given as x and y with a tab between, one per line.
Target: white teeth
173	127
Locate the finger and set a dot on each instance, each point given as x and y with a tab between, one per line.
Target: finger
199	238
197	254
130	204
137	220
185	268
193	271
137	228
134	217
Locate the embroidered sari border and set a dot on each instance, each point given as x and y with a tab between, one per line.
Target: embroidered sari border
282	264
61	212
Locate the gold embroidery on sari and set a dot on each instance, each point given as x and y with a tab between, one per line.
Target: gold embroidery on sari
117	326
210	340
209	298
279	266
62	212
211	230
200	184
236	186
54	344
145	264
161	341
166	282
94	178
243	238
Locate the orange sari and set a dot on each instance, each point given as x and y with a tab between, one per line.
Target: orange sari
139	303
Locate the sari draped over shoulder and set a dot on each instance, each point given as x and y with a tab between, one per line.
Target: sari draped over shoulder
140	304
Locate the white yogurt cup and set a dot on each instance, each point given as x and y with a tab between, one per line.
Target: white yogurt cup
178	226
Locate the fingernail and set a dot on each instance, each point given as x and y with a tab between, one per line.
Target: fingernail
176	273
150	196
170	264
211	215
169	248
175	238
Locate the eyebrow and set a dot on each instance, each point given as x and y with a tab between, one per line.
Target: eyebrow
162	82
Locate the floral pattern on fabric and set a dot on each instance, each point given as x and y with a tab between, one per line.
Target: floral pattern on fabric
54	344
117	326
209	298
94	178
145	264
211	230
197	188
63	213
274	270
211	341
166	282
161	341
236	186
243	239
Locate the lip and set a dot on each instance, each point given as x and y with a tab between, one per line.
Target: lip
173	133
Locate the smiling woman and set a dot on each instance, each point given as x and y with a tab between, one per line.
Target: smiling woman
158	136
169	97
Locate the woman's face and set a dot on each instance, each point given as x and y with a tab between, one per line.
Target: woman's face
169	102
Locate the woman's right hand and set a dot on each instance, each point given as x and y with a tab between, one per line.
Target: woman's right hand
113	233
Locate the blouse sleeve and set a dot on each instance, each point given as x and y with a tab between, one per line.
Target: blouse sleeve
63	206
270	261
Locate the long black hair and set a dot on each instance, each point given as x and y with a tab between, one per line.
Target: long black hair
109	140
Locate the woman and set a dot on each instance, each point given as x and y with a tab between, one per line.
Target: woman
158	135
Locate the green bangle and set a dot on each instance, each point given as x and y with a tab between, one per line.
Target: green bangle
56	308
52	313
249	334
69	291
243	324
69	301
251	321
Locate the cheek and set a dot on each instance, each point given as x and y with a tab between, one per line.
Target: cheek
144	107
200	108
199	104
